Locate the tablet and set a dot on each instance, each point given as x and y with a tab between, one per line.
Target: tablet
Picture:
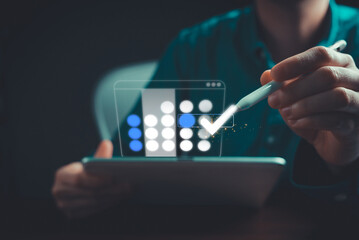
194	180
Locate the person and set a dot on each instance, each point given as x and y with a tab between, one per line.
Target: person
312	121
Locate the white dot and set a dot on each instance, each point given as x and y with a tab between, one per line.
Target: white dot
204	145
186	106
168	145
151	133
203	134
152	145
205	106
150	120
167	107
213	84
205	117
208	84
186	145
186	133
219	84
167	120
168	133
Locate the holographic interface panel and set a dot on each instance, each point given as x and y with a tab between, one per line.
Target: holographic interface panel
161	118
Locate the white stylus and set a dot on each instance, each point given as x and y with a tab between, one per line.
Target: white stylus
253	98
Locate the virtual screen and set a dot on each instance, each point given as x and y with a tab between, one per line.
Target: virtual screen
161	118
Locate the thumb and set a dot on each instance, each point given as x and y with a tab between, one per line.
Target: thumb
266	77
104	149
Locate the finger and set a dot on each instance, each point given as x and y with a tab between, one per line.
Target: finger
324	79
74	175
266	77
104	150
309	61
66	191
340	123
337	99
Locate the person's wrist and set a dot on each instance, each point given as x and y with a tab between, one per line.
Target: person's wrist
344	169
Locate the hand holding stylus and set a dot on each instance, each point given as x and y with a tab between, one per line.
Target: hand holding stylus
319	101
254	97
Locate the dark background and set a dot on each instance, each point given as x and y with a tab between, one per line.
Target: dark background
52	53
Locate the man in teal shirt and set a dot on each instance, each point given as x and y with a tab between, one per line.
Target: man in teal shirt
319	101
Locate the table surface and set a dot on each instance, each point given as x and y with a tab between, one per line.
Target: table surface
288	215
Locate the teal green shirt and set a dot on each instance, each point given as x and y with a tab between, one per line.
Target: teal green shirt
228	48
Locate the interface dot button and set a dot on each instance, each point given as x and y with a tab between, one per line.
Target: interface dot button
186	145
204	145
151	120
186	133
186	106
167	120
186	120
206	117
203	134
205	106
152	145
167	107
151	133
136	145
168	133
133	120
134	133
168	145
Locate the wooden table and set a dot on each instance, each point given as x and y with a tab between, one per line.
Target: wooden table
286	215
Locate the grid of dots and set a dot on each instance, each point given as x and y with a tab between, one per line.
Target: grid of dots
134	132
168	134
186	120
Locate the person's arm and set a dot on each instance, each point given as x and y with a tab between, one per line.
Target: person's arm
320	103
311	174
79	194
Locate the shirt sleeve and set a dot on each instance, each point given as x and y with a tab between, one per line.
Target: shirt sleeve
312	175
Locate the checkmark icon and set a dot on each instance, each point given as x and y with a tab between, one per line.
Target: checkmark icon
212	128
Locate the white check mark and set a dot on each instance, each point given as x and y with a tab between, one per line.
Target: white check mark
212	128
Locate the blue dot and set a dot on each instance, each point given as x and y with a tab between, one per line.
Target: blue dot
136	145
133	120
186	120
134	133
